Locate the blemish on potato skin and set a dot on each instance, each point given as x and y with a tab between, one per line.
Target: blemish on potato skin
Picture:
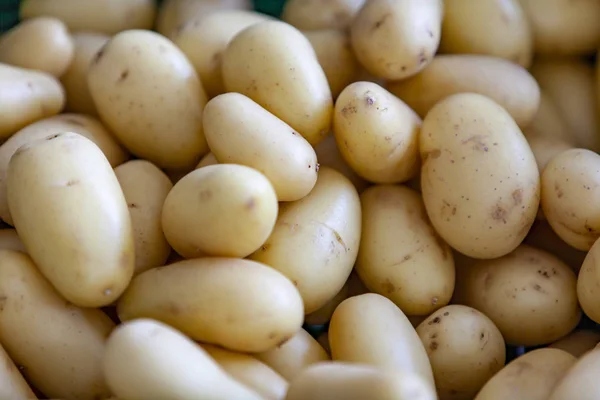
3	300
477	142
205	195
123	76
499	214
433	154
99	55
558	190
433	345
380	22
132	205
388	286
250	204
72	182
517	196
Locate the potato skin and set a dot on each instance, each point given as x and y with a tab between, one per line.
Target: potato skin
578	342
12	384
588	282
9	240
315	15
580	381
479	179
329	155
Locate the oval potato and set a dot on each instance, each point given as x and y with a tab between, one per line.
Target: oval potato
9	240
578	342
588	282
12	384
580	380
329	155
314	15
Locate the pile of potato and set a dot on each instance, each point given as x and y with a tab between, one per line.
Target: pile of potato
185	190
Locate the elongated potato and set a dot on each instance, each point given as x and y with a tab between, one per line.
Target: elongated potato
145	188
104	16
400	256
580	381
315	240
347	381
216	299
512	87
250	371
145	359
329	155
74	80
588	282
376	133
225	210
254	137
295	355
578	342
529	377
204	38
29	95
370	329
314	15
70	213
59	345
9	240
162	121
275	65
12	384
397	39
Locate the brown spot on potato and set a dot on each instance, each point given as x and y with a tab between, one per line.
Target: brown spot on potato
433	345
380	22
477	143
433	154
589	228
388	286
406	258
429	32
481	336
123	76
132	205
434	301
349	110
99	55
53	136
265	247
446	314
422	57
72	182
538	288
205	195
487	281
436	320
517	196
558	190
250	204
499	214
3	300
370	100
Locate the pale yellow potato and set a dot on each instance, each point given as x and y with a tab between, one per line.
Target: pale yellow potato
146	359
12	384
145	188
295	355
377	133
397	39
578	342
339	380
479	179
531	376
103	16
275	65
60	345
588	283
581	380
29	95
238	304
207	160
370	329
465	349
512	86
310	15
570	197
315	240
529	294
9	240
549	123
250	371
254	137
74	80
329	155
149	94
401	257
543	237
570	83
223	210
497	28
546	148
70	213
336	57
42	44
564	27
84	125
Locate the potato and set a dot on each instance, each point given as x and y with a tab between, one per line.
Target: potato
9	240
563	27
465	350
397	39
370	329
74	80
335	55
70	213
295	355
543	237
29	95
250	372
58	345
548	123
275	65
529	294
238	304
84	125
377	133
325	381
570	83
400	256
578	342
207	160
203	40
148	93
145	359
588	283
254	137
580	381
529	377
479	179
497	28
310	15
103	16
570	197
329	155
222	210
145	188
512	86
43	44
12	384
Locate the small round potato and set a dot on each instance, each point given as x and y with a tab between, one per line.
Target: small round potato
12	384
9	240
465	350
149	94
376	133
43	44
275	65
329	155
578	342
238	304
581	380
588	283
397	39
311	15
224	210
